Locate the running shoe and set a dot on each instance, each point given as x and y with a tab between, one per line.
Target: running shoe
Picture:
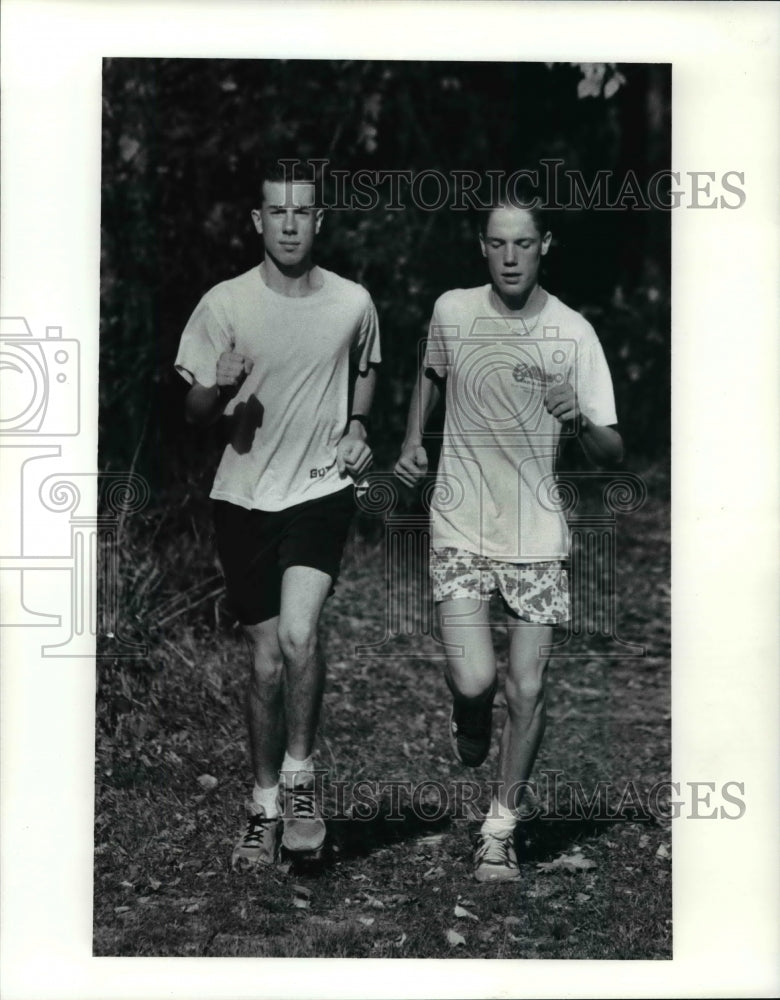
495	859
304	827
259	844
471	723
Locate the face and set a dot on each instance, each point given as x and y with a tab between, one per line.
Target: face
513	248
288	220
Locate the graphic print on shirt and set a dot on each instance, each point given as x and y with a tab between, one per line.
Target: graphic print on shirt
499	376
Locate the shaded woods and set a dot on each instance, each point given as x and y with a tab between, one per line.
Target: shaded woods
181	141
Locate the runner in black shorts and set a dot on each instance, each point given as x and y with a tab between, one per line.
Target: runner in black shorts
256	547
279	352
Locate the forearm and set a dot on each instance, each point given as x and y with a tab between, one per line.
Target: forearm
363	389
204	406
425	396
603	445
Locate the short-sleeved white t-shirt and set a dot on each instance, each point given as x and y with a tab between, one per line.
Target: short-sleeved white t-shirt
493	494
291	410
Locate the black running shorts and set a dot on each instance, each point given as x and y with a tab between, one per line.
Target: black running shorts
256	546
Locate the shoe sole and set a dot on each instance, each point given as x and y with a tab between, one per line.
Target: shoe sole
301	844
489	876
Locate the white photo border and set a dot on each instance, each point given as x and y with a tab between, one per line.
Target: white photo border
725	321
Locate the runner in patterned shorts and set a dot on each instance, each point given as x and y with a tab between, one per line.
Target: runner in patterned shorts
518	369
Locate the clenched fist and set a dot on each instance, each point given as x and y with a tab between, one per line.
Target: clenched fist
232	369
561	401
412	464
353	456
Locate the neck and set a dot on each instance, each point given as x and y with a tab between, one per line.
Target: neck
528	303
294	282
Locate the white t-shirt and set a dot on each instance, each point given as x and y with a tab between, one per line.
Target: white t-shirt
499	443
291	410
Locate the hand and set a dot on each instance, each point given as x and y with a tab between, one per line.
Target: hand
232	369
353	456
412	464
561	401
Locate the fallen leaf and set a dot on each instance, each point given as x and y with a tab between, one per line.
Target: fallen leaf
663	852
208	782
154	884
192	908
581	897
512	921
121	909
454	939
366	921
644	840
301	904
401	940
572	863
465	914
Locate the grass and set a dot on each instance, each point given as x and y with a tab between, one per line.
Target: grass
389	888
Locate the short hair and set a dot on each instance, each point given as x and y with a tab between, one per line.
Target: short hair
288	169
515	191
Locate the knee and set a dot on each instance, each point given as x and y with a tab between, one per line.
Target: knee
526	690
472	683
266	660
297	641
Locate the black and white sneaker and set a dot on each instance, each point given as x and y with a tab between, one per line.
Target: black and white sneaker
495	859
471	723
259	844
304	827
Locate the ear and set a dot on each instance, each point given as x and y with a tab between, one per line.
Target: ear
546	241
257	219
482	244
319	215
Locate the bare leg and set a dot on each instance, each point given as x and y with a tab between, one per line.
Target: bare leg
304	591
464	623
526	705
264	704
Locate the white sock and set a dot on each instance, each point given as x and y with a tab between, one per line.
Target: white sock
266	799
500	820
291	767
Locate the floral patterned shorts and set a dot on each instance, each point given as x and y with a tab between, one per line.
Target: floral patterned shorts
536	592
